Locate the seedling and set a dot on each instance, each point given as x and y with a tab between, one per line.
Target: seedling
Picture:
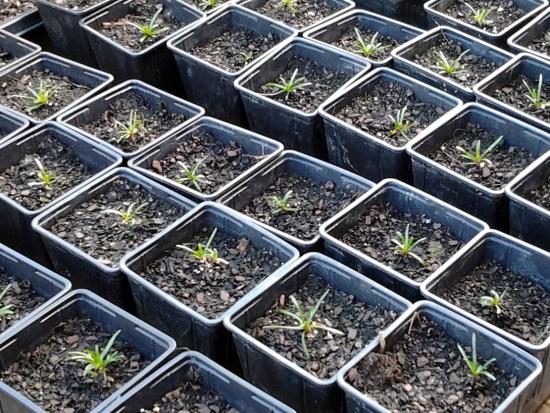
246	57
129	215
97	361
150	30
288	87
40	97
476	157
208	4
282	205
476	369
494	300
192	175
480	16
406	244
449	66
289	5
46	177
204	252
306	323
535	94
400	125
371	48
131	129
5	310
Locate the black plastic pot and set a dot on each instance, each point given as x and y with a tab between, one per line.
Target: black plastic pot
487	204
19	48
92	109
222	101
529	221
403	57
154	64
363	153
188	327
293	163
407	200
11	124
519	42
286	381
333	29
252	144
83	270
296	129
23	23
150	343
16	219
508	357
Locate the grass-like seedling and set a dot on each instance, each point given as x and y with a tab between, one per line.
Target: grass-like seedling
494	300
150	30
97	361
405	244
293	85
47	178
370	47
479	16
446	66
5	310
41	97
130	129
535	94
191	174
246	57
289	5
282	205
476	157
130	215
204	252
476	369
306	321
208	4
400	124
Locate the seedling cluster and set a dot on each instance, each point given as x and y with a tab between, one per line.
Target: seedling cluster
131	129
476	156
192	175
479	16
151	29
476	368
205	252
405	244
536	94
447	66
41	97
289	5
130	215
293	85
208	4
283	205
400	124
494	300
368	48
5	310
46	178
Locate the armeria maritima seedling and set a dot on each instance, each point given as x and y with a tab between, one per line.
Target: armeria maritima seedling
400	124
293	85
476	157
41	97
246	57
494	300
46	178
446	66
479	16
535	94
406	244
306	321
289	5
151	29
5	310
204	252
282	205
129	215
191	174
369	48
476	368
131	129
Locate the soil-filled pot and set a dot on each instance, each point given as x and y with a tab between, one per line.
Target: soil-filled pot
14	49
417	367
446	164
214	52
41	88
529	204
81	321
222	154
293	196
124	50
293	118
187	295
361	135
303	366
427	58
502	284
19	17
380	227
131	117
88	233
532	38
11	124
39	168
408	11
505	16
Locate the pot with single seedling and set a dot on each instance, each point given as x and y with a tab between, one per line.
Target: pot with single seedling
305	327
402	230
11	124
450	60
14	49
131	117
88	233
19	16
368	125
186	280
207	158
85	351
290	85
213	53
293	196
436	360
469	159
128	39
371	36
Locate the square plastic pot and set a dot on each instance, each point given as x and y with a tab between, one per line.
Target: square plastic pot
516	256
409	11
15	218
251	143
286	381
95	80
294	163
519	42
150	343
363	153
11	124
23	23
188	327
19	48
404	55
508	357
405	199
92	109
82	269
333	29
154	64
487	204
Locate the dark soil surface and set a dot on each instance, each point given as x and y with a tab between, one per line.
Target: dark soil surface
210	288
541	43
324	83
222	163
46	377
540	195
75	5
371	112
156	121
21	182
525	308
424	372
505	161
348	41
316	202
15	93
234	49
104	235
10	9
5	57
504	14
378	225
360	323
